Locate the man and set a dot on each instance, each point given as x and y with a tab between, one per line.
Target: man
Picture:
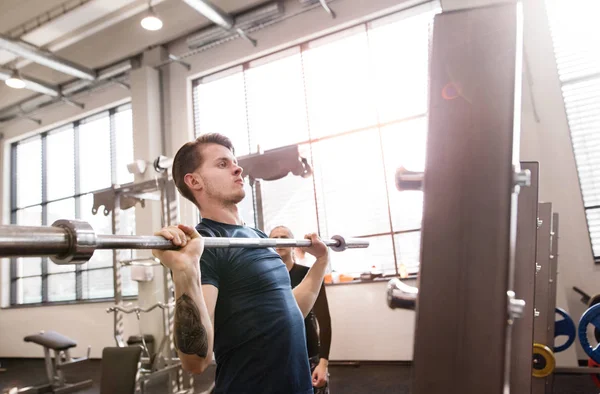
318	322
238	302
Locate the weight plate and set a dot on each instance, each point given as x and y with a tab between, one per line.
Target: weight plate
590	317
593	301
564	327
543	361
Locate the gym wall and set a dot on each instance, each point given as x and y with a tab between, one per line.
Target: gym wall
363	327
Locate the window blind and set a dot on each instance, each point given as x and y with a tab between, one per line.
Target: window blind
576	37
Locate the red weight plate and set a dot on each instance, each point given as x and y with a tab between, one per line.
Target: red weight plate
595	377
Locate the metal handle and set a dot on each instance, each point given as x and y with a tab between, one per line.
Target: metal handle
408	180
74	242
411	180
142	262
137	309
80	359
400	295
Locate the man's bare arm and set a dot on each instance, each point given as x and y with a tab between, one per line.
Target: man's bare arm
194	330
195	304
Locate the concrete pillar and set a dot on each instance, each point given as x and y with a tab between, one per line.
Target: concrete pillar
146	99
179	117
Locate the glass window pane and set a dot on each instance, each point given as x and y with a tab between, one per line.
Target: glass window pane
593	218
582	103
63	209
97	283
101	225
124	145
128	287
29	290
94	154
350	184
338	84
127	221
246	206
221	108
290	202
28	266
31	216
575	33
61	287
400	55
60	164
379	257
29	172
404	145
276	103
408	252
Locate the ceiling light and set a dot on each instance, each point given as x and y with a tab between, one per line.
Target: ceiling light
151	21
14	81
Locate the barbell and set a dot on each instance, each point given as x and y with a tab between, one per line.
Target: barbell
74	242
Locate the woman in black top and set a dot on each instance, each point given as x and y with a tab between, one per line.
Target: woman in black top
318	321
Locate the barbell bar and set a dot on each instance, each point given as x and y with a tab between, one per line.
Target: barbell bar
74	242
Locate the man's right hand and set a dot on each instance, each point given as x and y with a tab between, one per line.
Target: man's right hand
186	259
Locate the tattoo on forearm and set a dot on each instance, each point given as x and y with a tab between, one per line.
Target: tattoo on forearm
190	335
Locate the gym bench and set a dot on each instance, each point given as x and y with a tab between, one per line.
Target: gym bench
51	340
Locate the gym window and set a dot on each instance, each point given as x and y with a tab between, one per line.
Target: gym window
355	102
575	34
53	177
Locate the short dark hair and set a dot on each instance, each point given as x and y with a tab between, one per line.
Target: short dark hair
189	157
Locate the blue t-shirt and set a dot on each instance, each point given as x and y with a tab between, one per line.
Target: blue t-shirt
260	342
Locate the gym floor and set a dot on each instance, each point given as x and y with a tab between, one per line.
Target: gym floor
352	379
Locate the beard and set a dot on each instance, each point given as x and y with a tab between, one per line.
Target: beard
232	198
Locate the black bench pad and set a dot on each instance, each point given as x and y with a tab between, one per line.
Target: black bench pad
52	340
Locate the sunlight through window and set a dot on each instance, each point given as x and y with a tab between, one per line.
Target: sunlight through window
355	102
576	37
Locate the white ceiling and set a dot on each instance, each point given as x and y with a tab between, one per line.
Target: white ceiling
95	33
16	12
82	21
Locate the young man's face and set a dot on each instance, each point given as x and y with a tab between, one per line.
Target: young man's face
282	232
221	176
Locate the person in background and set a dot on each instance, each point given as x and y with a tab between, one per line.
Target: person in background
318	320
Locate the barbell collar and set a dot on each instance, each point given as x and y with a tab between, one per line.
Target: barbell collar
82	242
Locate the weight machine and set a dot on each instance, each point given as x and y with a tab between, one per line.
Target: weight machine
114	200
489	248
475	271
